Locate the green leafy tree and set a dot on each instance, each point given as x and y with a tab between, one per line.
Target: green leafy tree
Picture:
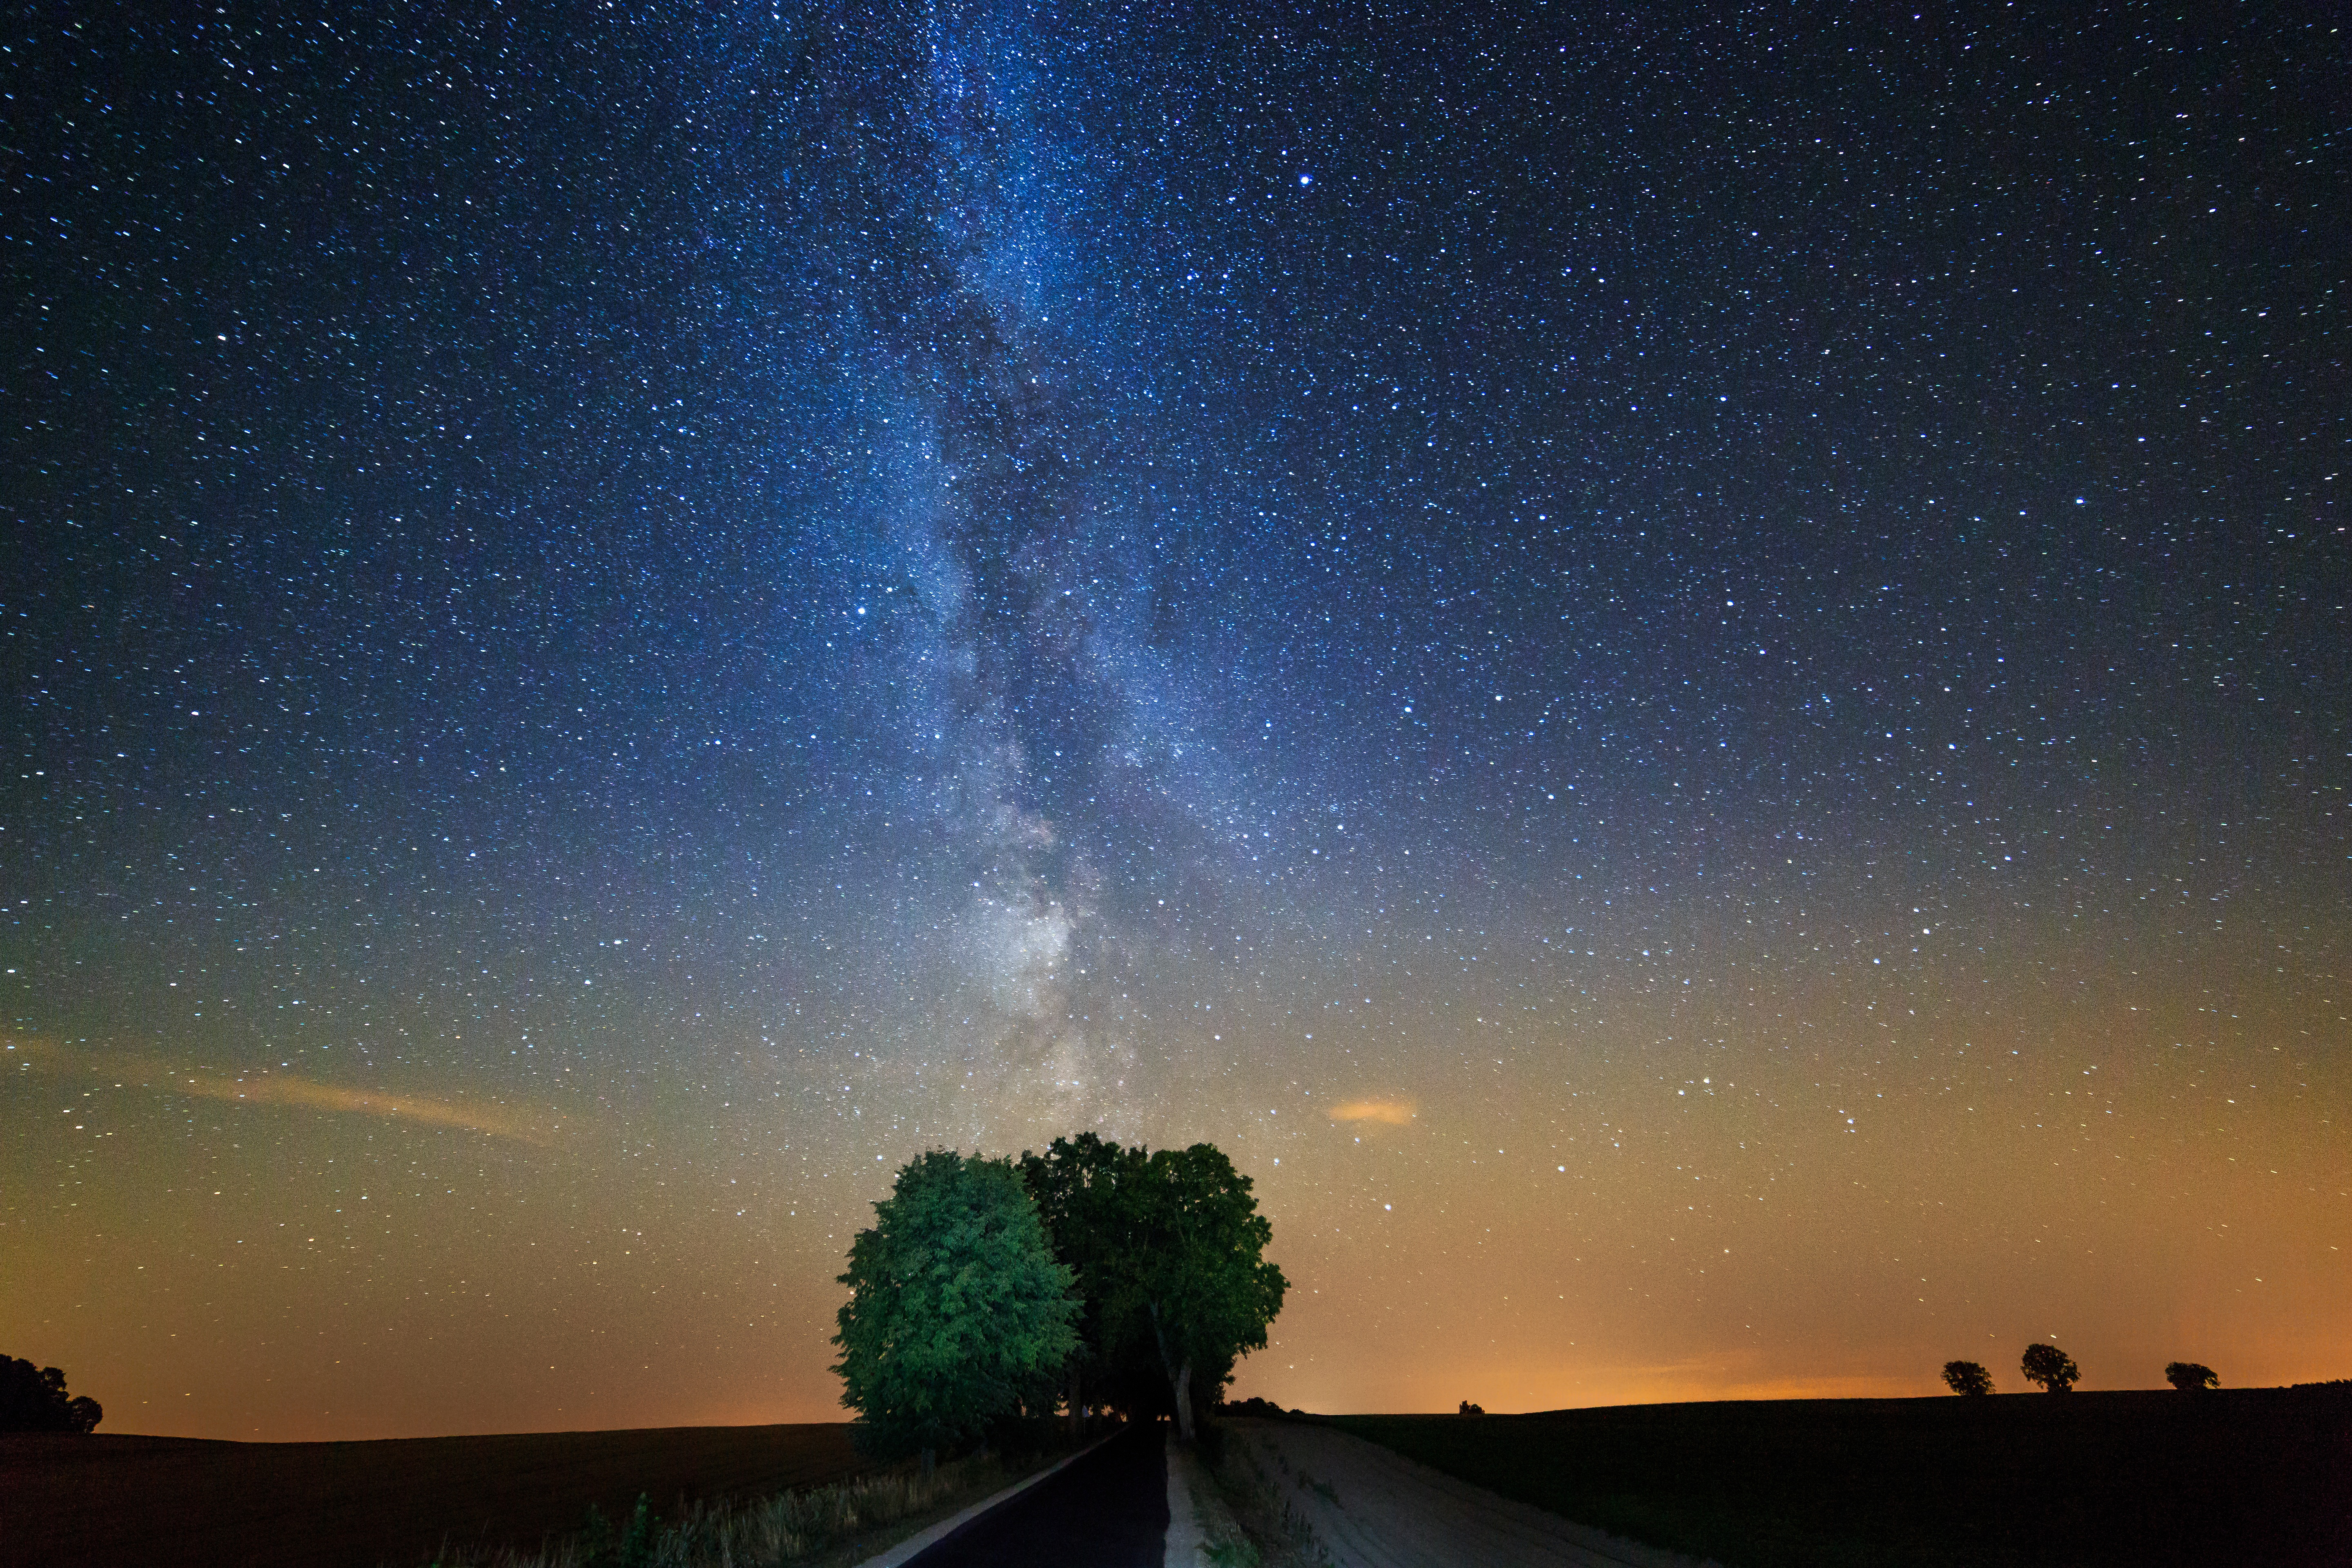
1204	1284
2191	1376
2050	1367
1086	1190
1170	1250
1967	1377
958	1311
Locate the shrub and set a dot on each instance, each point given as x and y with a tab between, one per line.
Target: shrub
2189	1377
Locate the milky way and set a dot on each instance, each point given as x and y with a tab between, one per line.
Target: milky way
1684	673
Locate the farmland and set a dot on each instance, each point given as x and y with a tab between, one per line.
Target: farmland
105	1498
2243	1476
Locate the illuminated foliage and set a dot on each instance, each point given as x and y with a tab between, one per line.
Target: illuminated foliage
958	1311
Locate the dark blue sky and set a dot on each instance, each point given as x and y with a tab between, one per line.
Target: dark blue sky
960	572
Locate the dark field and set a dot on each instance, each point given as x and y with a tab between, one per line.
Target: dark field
104	1499
2243	1476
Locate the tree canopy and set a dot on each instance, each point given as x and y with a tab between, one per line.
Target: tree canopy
1168	1249
1968	1377
34	1399
958	1312
2050	1367
2191	1376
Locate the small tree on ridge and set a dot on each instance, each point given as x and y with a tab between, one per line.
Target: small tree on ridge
2191	1376
1968	1377
2050	1367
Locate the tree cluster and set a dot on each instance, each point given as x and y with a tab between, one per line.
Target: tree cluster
33	1399
1169	1251
2055	1371
1092	1274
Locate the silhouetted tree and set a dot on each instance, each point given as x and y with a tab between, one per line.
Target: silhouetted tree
1168	1248
957	1310
1968	1377
2189	1377
1470	1409
1085	1188
2050	1367
33	1399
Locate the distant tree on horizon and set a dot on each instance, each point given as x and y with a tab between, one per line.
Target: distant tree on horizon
2050	1367
1470	1409
958	1312
1967	1377
2191	1376
33	1399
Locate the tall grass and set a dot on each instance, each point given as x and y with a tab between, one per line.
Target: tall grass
794	1527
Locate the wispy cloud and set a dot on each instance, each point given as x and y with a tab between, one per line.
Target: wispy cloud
279	1088
1395	1112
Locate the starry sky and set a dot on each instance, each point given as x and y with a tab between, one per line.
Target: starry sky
1683	670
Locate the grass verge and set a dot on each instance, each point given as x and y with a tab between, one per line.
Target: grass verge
830	1526
1256	1490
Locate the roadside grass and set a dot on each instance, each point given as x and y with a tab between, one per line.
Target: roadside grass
2248	1476
829	1526
1278	1533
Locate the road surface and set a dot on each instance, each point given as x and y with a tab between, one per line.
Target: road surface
1107	1509
1369	1508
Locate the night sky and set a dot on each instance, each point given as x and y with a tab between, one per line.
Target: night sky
1685	672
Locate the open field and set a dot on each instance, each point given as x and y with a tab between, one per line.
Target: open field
2245	1477
109	1499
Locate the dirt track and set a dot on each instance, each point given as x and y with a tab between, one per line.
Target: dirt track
1369	1508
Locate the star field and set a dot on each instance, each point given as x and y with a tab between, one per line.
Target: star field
1682	671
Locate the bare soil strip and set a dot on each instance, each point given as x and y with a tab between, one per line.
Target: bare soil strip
1371	1507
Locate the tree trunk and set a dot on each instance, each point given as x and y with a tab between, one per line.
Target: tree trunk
1184	1401
929	1456
1180	1375
1077	1409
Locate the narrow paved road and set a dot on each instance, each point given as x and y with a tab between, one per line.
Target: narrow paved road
1109	1510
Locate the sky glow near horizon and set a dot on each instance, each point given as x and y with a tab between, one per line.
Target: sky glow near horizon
1684	673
